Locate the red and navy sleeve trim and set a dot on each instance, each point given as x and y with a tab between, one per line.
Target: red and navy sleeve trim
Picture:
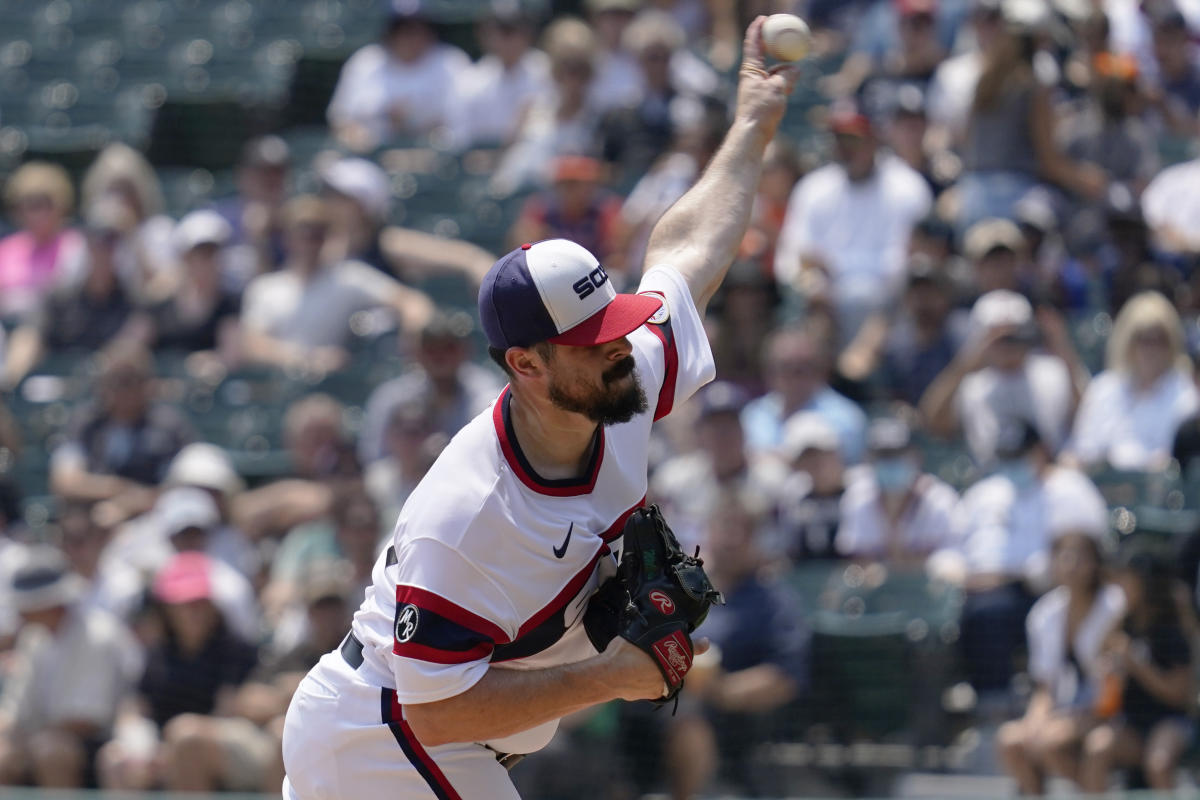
547	626
393	716
428	627
666	395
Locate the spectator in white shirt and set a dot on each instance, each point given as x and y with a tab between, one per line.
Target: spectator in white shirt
1171	206
406	84
560	122
997	377
618	80
1130	412
300	315
112	585
892	511
809	507
1065	630
444	379
500	88
72	668
358	197
826	250
1002	527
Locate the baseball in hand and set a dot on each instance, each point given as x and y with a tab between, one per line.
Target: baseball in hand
786	37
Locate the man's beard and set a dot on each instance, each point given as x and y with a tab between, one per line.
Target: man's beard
611	406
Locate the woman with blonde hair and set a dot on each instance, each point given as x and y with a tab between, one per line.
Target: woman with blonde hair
147	256
1129	413
40	198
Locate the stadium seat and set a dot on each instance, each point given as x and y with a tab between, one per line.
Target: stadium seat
311	88
860	680
183	133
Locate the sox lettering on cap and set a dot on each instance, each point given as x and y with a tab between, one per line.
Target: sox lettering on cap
556	291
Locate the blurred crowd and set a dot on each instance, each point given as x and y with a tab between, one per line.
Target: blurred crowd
968	298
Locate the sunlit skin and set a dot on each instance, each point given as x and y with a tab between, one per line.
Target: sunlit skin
193	623
1151	356
856	154
39	215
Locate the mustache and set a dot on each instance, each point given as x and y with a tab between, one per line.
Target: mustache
621	369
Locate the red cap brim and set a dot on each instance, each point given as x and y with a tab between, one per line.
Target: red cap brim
624	315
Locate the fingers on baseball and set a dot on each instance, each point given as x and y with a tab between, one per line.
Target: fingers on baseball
752	49
700	646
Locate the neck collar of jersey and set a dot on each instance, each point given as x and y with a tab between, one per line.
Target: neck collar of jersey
566	487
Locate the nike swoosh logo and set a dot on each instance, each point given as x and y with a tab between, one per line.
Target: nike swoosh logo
559	552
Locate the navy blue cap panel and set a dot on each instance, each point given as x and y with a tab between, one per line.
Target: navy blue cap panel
511	310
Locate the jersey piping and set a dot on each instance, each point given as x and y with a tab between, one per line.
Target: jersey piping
566	487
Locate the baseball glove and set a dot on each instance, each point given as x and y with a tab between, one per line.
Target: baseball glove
657	599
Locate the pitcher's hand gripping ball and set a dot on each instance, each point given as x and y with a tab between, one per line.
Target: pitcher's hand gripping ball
657	599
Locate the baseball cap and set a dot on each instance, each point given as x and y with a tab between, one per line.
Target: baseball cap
848	119
992	234
1085	512
326	578
722	397
888	435
556	291
186	507
200	227
362	181
601	6
204	465
400	10
186	577
1118	66
999	308
907	7
806	431
1026	15
42	579
268	151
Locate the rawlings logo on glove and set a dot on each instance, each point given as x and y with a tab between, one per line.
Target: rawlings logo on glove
657	599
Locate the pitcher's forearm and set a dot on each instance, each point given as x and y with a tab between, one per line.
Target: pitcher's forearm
701	233
505	702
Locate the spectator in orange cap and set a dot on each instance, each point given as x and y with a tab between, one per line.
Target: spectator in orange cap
578	207
1108	131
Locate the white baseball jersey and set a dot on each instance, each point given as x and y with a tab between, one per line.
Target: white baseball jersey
492	565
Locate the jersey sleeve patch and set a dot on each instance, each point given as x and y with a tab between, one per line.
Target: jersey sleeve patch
428	627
